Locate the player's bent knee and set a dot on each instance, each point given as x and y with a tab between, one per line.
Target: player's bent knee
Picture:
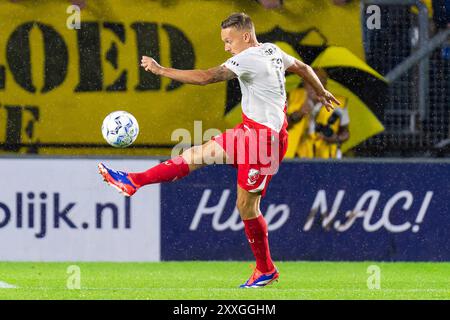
193	157
247	209
212	153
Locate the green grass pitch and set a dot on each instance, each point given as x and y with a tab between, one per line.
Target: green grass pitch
219	280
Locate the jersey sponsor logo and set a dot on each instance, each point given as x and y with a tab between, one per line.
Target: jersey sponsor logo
269	52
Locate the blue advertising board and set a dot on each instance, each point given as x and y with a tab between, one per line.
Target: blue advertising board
349	211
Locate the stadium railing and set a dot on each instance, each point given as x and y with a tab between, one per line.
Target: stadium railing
417	112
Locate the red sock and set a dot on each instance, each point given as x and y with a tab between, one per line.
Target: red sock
256	232
166	171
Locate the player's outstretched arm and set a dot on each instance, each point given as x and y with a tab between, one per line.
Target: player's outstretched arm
198	77
308	74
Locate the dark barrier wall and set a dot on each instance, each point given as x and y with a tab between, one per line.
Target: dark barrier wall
315	211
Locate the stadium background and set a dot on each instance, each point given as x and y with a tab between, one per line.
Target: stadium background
57	85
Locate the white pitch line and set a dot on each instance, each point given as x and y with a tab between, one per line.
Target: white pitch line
265	289
5	285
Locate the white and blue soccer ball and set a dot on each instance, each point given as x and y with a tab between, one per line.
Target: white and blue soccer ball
120	129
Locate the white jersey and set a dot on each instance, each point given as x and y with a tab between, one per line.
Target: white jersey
260	71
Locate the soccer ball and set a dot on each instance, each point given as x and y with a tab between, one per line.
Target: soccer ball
120	129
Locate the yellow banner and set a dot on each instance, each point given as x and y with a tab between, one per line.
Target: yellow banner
58	81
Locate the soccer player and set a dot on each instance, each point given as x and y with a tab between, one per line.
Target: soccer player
260	69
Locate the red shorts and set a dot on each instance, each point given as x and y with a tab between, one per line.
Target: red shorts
256	151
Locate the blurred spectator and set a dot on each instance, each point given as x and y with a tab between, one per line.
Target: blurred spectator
341	2
320	133
271	4
441	14
80	3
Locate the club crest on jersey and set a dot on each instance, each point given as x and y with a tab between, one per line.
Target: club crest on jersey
253	176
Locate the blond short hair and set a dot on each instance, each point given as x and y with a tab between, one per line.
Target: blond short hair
240	21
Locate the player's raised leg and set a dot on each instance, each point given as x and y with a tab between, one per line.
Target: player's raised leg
170	170
257	236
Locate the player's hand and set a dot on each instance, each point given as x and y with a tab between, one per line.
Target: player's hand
327	100
329	140
150	65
